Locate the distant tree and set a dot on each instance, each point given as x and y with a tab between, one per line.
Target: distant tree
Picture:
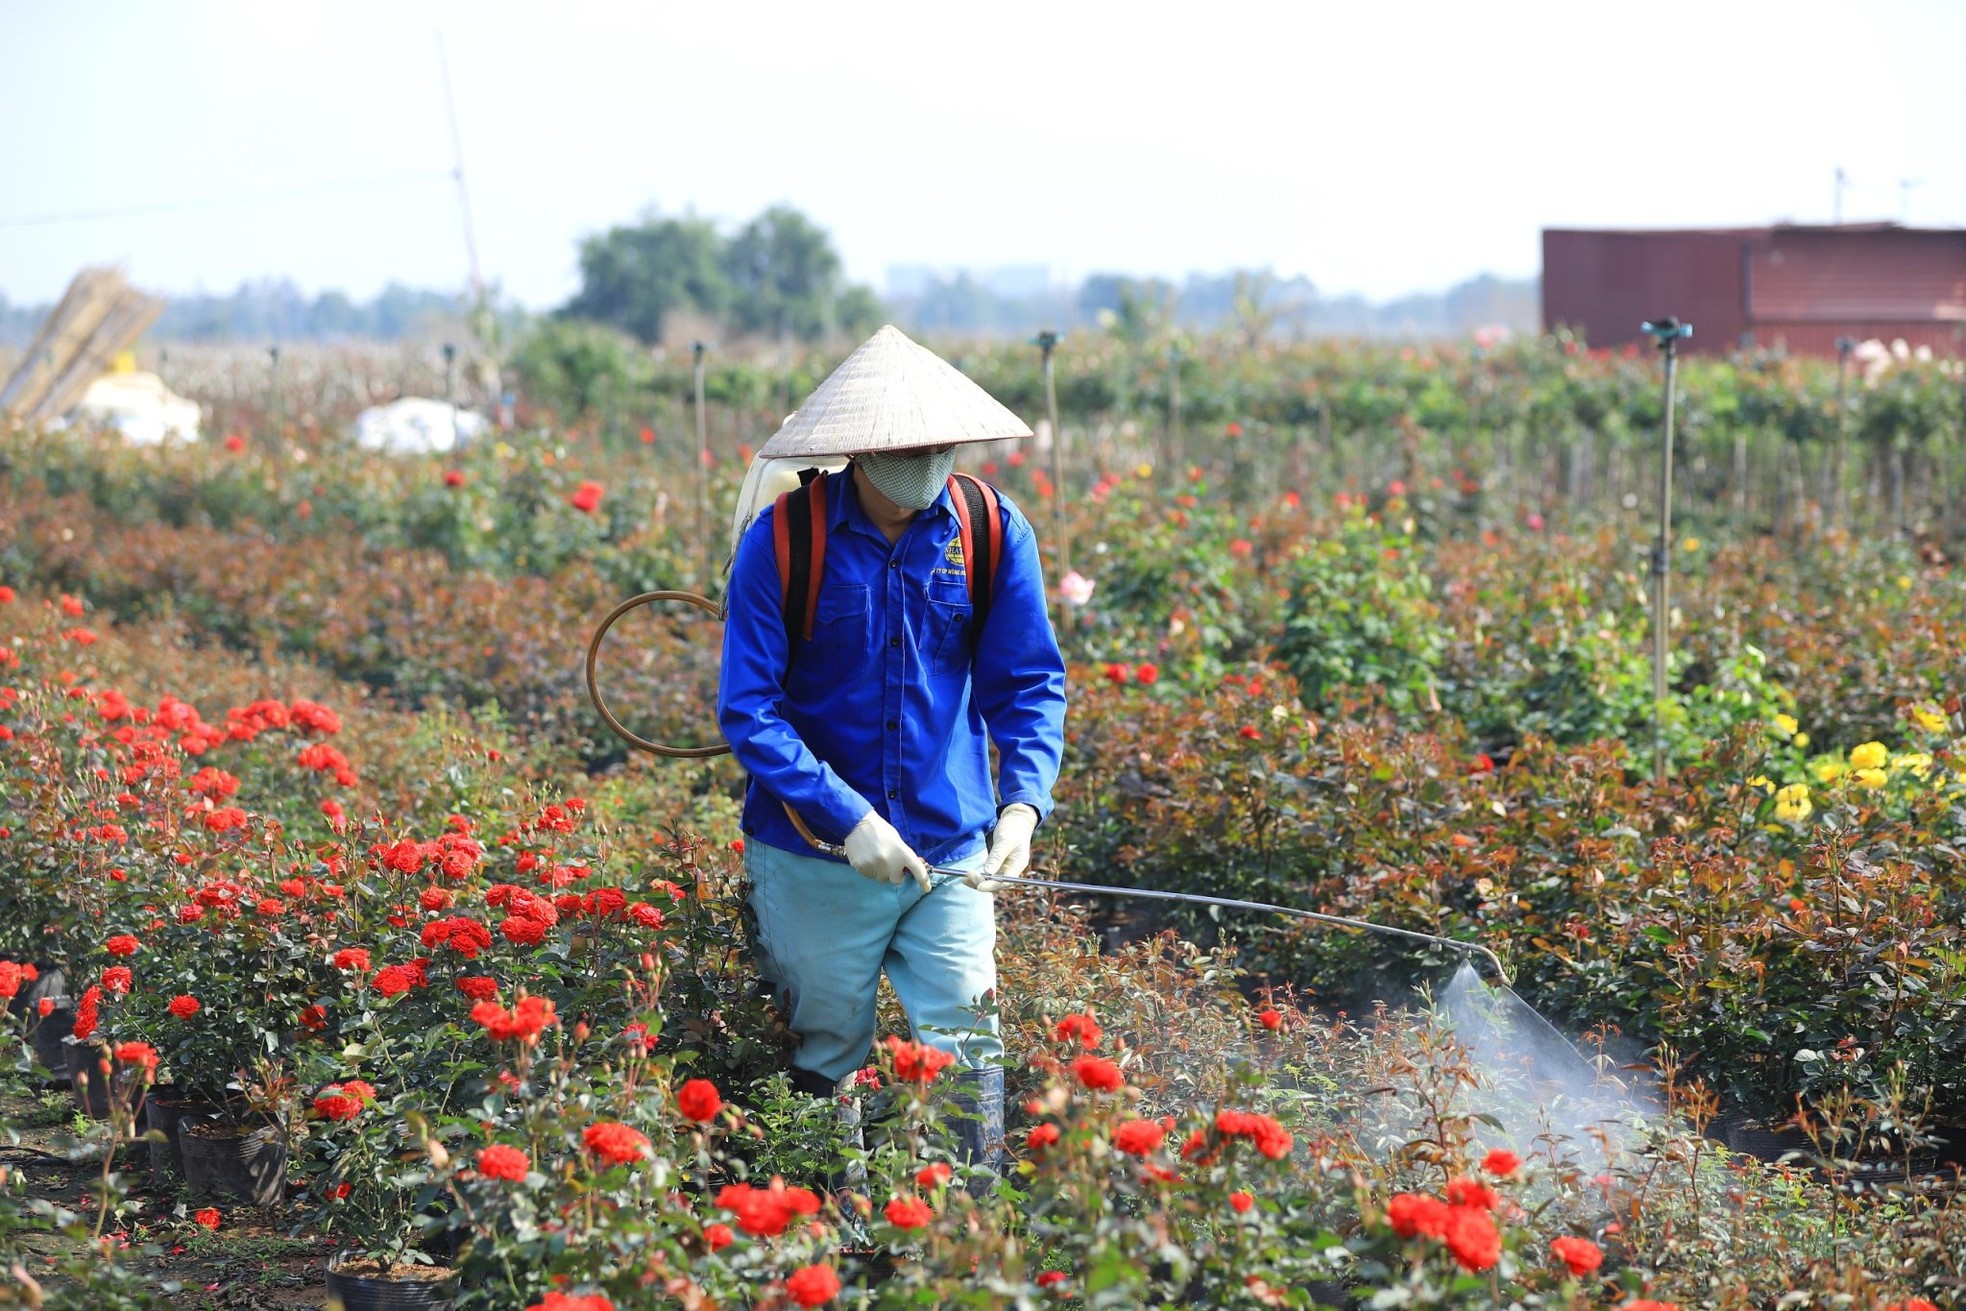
1132	309
578	368
786	280
858	311
634	277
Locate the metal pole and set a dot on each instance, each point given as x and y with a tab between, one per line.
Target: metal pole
279	402
1667	332
1174	408
450	387
1844	345
702	468
1048	343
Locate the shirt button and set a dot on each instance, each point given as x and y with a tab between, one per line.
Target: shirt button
893	725
894	641
894	564
892	793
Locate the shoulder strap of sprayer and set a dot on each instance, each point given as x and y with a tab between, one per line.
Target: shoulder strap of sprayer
798	530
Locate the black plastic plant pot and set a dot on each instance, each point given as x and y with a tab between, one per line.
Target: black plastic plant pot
223	1159
49	1030
86	1078
416	1288
167	1116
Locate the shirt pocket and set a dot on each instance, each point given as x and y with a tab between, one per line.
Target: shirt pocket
839	632
948	624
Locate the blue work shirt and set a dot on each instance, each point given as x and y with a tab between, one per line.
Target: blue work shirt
884	707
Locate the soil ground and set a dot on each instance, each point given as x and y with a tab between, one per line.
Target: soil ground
254	1260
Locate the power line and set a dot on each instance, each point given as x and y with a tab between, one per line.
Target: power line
261	198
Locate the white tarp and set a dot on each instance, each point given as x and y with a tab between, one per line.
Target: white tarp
416	426
140	407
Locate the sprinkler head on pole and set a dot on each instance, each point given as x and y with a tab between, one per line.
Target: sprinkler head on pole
1047	341
1667	331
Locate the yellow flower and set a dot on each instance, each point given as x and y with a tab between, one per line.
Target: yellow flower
1763	782
1871	755
1929	719
1690	544
1904	582
1786	725
1802	739
1828	770
1871	778
1144	471
1792	802
1916	761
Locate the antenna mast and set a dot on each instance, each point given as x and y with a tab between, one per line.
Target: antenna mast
463	194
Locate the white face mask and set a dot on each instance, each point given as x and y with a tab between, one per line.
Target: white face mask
910	481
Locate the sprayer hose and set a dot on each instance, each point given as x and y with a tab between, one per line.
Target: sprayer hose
621	730
1056	885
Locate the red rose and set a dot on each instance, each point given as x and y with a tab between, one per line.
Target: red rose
478	987
698	1099
909	1213
527	1019
1472	1192
1051	1278
137	1053
1080	1026
523	930
209	1217
615	1143
767	1211
115	978
1241	1202
717	1237
587	497
343	1101
1473	1238
916	1062
933	1176
1098	1073
813	1285
1269	1019
1041	1137
351	958
1138	1137
122	945
569	1302
501	1162
1581	1255
1501	1163
1415	1214
1146	675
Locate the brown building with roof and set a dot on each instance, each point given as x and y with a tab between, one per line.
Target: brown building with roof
1799	288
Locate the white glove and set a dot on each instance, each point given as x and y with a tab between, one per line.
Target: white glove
877	851
1010	848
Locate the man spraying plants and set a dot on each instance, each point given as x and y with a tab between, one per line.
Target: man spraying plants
886	626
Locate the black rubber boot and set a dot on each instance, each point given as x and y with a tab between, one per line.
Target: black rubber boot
977	1123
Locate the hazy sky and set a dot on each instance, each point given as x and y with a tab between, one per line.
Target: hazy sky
1374	147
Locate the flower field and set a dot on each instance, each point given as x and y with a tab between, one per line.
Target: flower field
363	943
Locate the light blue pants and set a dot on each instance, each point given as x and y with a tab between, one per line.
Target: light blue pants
822	934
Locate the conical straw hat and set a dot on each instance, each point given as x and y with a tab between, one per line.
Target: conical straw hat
889	395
